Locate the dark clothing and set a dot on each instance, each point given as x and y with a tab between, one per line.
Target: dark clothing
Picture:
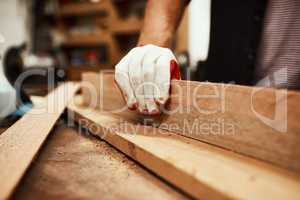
254	42
279	53
236	28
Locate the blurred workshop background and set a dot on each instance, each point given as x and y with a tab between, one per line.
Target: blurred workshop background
69	37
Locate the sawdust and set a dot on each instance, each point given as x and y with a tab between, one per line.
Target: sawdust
73	166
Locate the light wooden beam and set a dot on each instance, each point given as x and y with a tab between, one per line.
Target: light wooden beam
234	117
20	143
201	170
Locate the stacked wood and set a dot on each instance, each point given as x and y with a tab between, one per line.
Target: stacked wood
201	170
258	122
20	143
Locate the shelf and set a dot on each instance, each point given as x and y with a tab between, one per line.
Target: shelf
94	39
86	39
79	9
111	30
74	72
130	25
87	67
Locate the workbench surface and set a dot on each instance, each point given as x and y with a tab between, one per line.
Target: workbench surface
76	166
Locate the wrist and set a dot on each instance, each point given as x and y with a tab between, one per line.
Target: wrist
161	40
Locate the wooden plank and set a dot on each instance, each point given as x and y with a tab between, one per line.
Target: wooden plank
234	117
20	143
202	170
73	165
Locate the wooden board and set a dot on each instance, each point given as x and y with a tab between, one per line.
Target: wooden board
230	116
20	143
202	170
74	165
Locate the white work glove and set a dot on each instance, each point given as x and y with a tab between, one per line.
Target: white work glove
144	75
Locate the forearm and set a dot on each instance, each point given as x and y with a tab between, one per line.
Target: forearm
161	21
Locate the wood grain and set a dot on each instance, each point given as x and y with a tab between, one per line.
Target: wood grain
202	170
20	143
230	116
75	165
